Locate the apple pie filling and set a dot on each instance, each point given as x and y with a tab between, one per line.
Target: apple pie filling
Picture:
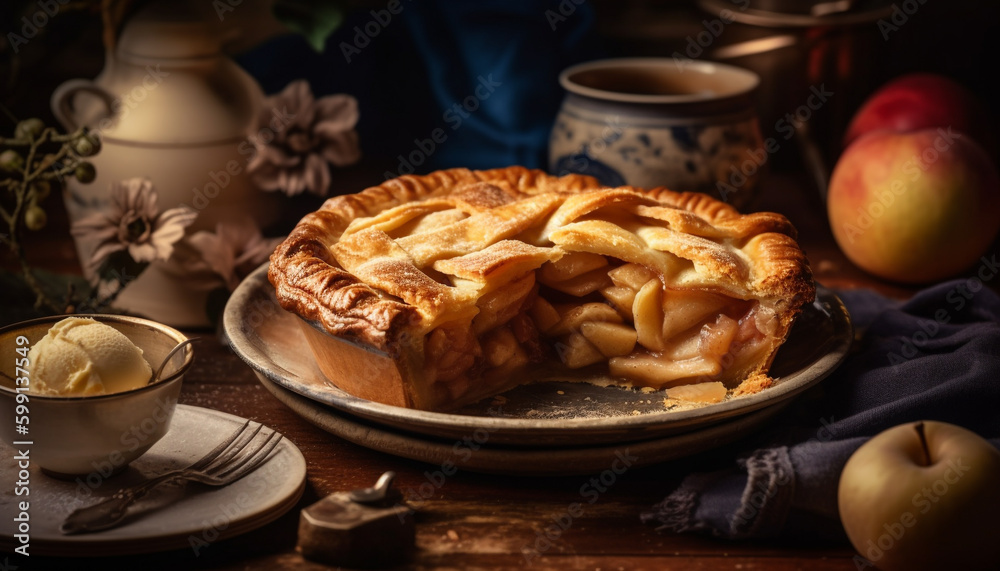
605	318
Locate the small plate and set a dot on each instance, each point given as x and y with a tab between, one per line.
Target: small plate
179	517
545	414
477	452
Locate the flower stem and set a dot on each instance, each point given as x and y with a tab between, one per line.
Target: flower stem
13	219
14	243
41	299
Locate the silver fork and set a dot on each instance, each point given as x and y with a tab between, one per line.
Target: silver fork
232	459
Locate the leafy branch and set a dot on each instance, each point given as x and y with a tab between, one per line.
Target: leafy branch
34	158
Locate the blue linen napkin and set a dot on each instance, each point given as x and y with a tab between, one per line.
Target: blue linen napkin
934	357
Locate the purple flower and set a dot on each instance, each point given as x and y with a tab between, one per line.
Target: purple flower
307	133
231	253
134	222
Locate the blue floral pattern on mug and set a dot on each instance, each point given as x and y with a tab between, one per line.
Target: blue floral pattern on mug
650	123
704	154
583	163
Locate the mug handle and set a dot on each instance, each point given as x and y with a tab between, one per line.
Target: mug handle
63	96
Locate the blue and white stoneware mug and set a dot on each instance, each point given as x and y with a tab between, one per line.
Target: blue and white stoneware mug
684	124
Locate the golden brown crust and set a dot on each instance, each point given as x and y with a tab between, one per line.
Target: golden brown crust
755	383
309	283
374	286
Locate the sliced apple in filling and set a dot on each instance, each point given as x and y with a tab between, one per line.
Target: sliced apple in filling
710	392
648	334
611	339
592	309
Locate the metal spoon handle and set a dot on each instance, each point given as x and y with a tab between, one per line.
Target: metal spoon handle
379	492
107	513
166	359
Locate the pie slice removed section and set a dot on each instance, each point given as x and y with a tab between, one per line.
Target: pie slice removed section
434	291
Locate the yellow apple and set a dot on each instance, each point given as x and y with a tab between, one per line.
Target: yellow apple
914	207
923	495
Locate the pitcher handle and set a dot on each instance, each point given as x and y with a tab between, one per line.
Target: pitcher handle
63	96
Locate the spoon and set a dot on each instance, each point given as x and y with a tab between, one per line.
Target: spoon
178	347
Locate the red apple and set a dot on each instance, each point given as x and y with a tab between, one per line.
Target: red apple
914	207
923	496
922	101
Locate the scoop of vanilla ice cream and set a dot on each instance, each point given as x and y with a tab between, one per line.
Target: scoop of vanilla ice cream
83	357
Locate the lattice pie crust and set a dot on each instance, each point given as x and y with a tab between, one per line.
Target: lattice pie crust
433	291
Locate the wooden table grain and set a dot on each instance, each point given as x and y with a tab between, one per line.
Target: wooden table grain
471	521
475	521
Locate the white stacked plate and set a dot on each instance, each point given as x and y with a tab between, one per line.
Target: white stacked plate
550	428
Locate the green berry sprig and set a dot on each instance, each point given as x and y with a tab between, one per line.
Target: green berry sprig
31	162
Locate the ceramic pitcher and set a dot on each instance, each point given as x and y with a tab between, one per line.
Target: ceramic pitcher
171	107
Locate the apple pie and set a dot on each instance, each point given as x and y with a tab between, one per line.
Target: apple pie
433	291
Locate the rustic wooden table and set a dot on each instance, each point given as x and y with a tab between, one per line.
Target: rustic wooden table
476	521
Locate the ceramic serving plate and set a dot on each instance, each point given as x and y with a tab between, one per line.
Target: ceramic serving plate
478	452
192	516
543	415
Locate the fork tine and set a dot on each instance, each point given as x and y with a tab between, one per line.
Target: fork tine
218	450
233	451
251	460
258	458
245	455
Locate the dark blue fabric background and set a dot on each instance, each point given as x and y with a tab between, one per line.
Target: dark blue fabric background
430	57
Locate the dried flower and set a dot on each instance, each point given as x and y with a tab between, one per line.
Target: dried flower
233	251
133	222
307	133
